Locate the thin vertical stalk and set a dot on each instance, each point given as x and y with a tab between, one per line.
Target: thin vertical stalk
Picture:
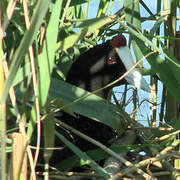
172	104
176	175
135	103
32	61
163	97
124	97
154	84
163	101
154	87
170	30
153	100
177	54
135	89
2	109
154	80
134	18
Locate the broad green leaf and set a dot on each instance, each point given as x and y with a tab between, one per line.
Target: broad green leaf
177	124
29	36
32	122
157	25
49	135
94	23
132	13
46	58
22	73
58	103
70	41
161	67
85	26
83	155
106	113
174	65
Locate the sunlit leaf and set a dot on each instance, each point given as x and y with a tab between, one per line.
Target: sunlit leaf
105	113
46	58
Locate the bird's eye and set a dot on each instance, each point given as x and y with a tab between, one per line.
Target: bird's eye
111	60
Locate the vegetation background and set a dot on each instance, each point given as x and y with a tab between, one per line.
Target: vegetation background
39	41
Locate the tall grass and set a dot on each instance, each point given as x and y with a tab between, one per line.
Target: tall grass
39	41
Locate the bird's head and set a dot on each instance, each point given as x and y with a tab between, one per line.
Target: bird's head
104	64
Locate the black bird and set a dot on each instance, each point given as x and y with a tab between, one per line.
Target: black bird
103	64
94	69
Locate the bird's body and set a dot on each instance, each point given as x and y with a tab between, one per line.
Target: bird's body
94	69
